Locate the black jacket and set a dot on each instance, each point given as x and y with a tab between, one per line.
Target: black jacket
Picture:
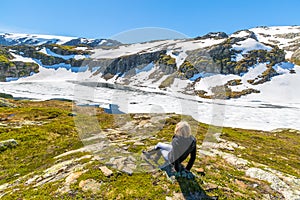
182	148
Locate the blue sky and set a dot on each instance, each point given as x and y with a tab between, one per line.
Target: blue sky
104	19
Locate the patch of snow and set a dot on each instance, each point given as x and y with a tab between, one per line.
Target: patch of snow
181	45
240	34
282	88
41	39
207	83
179	85
81	48
270	35
282	68
249	45
129	49
78	57
65	57
254	72
288	54
21	58
102	42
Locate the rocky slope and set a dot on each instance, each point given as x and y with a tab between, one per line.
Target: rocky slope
49	150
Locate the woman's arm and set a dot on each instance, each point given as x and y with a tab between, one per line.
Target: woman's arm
192	159
173	154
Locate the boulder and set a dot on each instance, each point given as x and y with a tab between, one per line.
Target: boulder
90	185
7	144
107	172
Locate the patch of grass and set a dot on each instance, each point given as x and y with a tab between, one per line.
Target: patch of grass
37	144
279	151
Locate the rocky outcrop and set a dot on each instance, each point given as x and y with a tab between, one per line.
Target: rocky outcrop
246	34
14	69
296	57
65	50
285	184
288	186
214	35
264	77
220	58
6	103
124	64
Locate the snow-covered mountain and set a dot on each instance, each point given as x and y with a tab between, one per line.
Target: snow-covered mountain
256	68
9	39
239	62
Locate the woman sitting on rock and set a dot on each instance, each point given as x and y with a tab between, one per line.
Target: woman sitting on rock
183	144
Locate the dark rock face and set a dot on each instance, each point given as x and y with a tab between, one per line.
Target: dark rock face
214	35
124	64
14	69
238	39
17	69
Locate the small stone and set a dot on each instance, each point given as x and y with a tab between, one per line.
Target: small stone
90	185
73	177
32	180
240	183
127	170
107	172
138	144
210	186
200	171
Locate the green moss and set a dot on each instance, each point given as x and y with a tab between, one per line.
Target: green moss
66	50
4	59
167	82
167	60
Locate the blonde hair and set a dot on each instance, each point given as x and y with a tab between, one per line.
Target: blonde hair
183	129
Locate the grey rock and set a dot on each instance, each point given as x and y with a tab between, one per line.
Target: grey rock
8	144
290	191
6	103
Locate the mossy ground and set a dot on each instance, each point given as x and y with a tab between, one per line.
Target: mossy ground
39	144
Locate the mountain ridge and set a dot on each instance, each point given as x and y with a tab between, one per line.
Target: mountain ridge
163	62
